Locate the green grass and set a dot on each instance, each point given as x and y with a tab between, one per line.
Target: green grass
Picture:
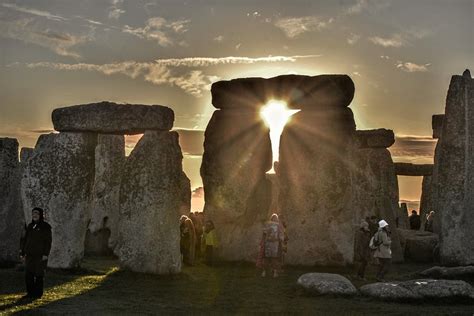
101	288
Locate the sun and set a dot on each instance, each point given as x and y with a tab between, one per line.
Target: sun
276	115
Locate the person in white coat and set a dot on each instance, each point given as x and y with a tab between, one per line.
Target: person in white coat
383	252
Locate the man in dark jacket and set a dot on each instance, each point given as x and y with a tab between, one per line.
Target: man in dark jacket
362	250
35	247
415	220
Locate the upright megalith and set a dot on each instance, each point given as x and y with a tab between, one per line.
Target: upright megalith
453	177
58	178
11	214
315	177
237	154
151	195
111	118
437	125
413	170
109	161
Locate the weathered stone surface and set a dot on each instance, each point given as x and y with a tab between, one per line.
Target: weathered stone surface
437	125
316	187
375	191
410	169
326	284
402	217
150	200
426	204
375	138
12	221
109	161
58	178
111	118
465	272
301	92
237	154
418	246
422	289
453	177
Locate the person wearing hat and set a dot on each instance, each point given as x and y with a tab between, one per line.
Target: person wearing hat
34	250
383	252
361	248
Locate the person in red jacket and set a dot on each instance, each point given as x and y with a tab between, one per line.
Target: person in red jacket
35	248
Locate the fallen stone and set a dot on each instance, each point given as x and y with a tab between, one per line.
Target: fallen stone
437	125
300	92
465	272
375	138
111	118
326	284
12	221
109	161
150	202
418	246
410	169
58	178
419	290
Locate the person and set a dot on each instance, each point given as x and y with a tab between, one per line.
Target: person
373	225
270	246
362	250
188	239
209	242
383	252
198	228
34	250
415	221
429	221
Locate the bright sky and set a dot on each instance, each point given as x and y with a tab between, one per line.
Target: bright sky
400	54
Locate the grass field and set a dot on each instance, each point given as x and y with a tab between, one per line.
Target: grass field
101	288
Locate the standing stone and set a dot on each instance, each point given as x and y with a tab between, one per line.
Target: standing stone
237	154
437	125
426	204
316	186
58	178
12	221
403	220
150	200
375	186
109	161
453	178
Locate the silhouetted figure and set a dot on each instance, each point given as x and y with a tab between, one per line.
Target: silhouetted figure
209	242
429	221
198	228
361	248
271	246
383	252
373	224
415	220
34	249
188	239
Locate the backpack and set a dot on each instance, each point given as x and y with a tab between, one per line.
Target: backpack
374	242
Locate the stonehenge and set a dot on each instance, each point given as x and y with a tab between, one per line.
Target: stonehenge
76	175
414	170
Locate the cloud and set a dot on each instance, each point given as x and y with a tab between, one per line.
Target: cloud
353	38
115	10
412	67
415	149
395	40
198	192
218	39
157	29
28	31
35	12
163	71
362	5
295	26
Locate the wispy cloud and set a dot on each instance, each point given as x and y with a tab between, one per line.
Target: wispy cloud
168	71
415	149
219	38
353	38
412	67
395	40
157	29
35	12
295	26
115	10
362	5
28	31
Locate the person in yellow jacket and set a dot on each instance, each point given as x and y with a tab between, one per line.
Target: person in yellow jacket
209	242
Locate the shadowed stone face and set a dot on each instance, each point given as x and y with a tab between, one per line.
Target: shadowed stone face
11	223
112	118
453	176
58	178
